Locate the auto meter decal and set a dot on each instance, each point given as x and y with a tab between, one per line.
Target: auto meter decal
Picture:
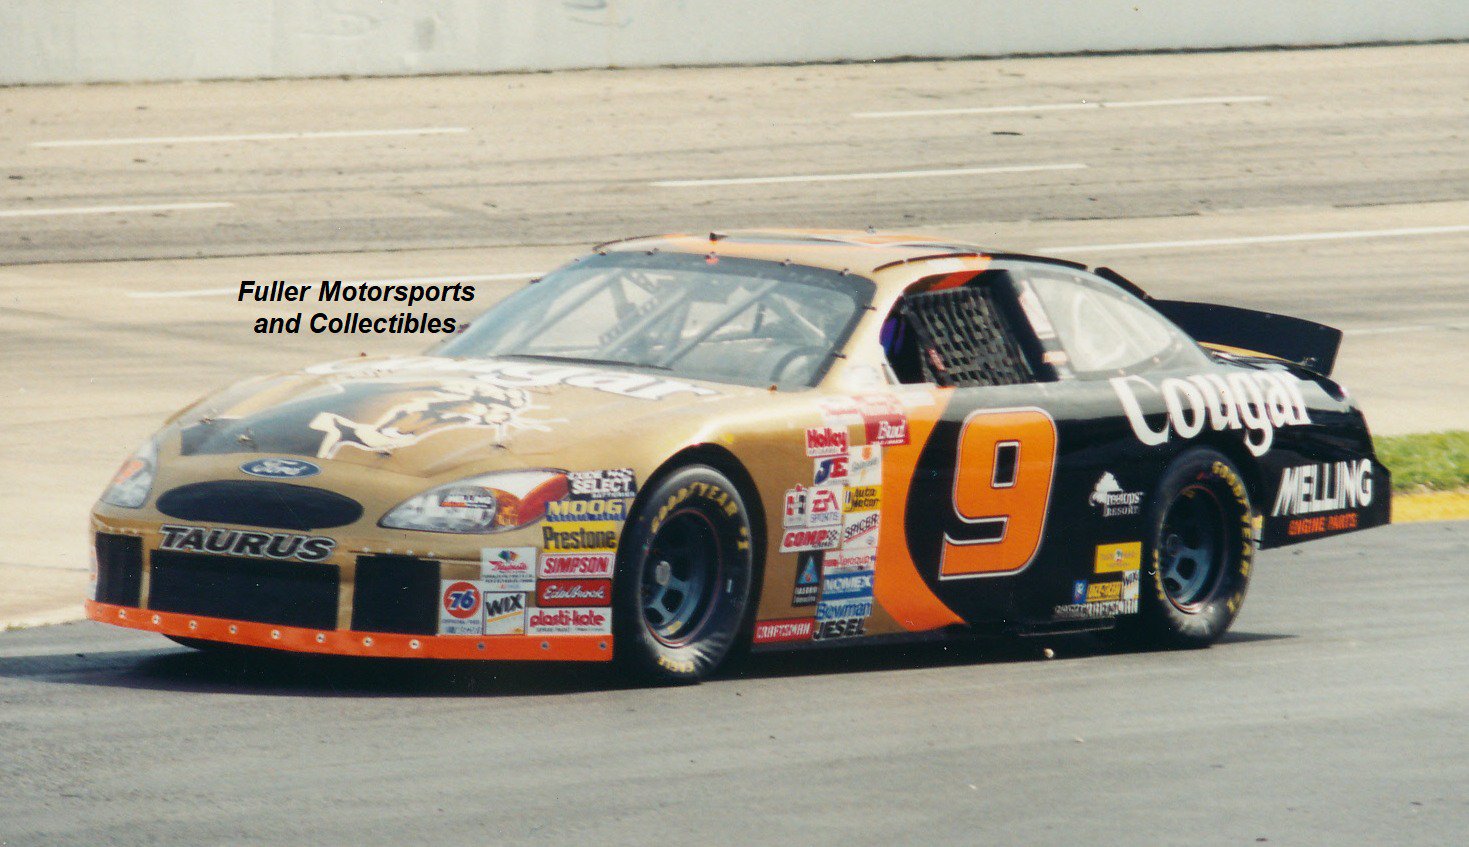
427	410
280	468
1258	403
461	608
508	568
280	546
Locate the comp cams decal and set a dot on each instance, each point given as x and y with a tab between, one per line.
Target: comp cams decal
1258	403
280	546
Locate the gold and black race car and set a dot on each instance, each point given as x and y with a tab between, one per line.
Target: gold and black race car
676	447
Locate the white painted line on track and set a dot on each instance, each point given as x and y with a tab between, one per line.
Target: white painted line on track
211	292
1063	107
768	180
110	210
1144	246
1387	330
253	136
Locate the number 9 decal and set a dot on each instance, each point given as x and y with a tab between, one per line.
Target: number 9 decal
1002	488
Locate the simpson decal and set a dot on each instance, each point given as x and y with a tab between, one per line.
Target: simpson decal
572	565
504	614
569	621
461	608
1258	403
580	536
797	540
1112	501
428	410
859	531
279	546
618	483
508	568
826	441
808	579
1112	558
791	629
1326	487
574	592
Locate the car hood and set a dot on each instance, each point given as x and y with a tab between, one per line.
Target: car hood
423	416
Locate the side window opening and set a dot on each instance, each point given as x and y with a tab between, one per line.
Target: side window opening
960	337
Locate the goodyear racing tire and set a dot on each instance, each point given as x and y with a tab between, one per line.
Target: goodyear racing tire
1200	549
683	580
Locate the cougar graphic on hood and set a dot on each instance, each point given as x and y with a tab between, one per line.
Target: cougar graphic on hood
450	404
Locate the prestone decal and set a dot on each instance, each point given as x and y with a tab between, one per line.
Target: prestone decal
1258	403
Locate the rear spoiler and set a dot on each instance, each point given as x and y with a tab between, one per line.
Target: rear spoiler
1296	340
1293	339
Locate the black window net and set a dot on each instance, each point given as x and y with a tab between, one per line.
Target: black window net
965	338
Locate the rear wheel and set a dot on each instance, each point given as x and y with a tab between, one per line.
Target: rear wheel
1202	546
683	578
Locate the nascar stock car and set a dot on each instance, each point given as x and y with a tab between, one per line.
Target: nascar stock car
680	447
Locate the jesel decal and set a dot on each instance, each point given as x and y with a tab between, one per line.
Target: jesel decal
1258	403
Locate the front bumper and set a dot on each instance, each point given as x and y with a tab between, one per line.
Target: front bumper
550	648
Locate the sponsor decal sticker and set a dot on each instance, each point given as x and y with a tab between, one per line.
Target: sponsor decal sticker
797	540
847	585
824	506
1126	556
279	546
569	621
795	509
1078	591
574	592
843	560
844	628
461	608
508	568
885	419
580	536
1325	487
841	618
469	500
1098	592
280	468
1129	586
504	614
826	441
859	531
1092	611
618	483
831	470
609	509
1258	403
790	629
1112	500
808	579
571	565
862	498
864	465
1326	523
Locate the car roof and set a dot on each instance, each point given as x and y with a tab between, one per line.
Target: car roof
861	252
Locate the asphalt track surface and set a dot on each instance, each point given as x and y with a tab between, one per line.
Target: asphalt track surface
1333	185
1334	713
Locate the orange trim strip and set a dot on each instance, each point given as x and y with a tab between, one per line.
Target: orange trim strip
547	648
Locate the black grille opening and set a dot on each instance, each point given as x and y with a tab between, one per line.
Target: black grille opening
966	338
273	504
396	594
258	590
119	569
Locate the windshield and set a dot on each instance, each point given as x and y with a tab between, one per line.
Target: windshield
727	320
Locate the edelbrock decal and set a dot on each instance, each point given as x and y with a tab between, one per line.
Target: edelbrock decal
1258	403
280	468
280	546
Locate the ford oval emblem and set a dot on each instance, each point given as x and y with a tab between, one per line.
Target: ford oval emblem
280	468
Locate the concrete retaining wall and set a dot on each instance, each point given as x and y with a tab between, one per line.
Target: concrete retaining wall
48	41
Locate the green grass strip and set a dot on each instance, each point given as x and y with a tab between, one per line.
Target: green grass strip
1431	461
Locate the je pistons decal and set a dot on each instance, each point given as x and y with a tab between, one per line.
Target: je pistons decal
280	546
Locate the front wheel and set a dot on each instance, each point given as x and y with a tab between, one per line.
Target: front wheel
684	578
1202	546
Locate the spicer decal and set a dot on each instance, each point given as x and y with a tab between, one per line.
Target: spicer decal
1258	403
280	546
